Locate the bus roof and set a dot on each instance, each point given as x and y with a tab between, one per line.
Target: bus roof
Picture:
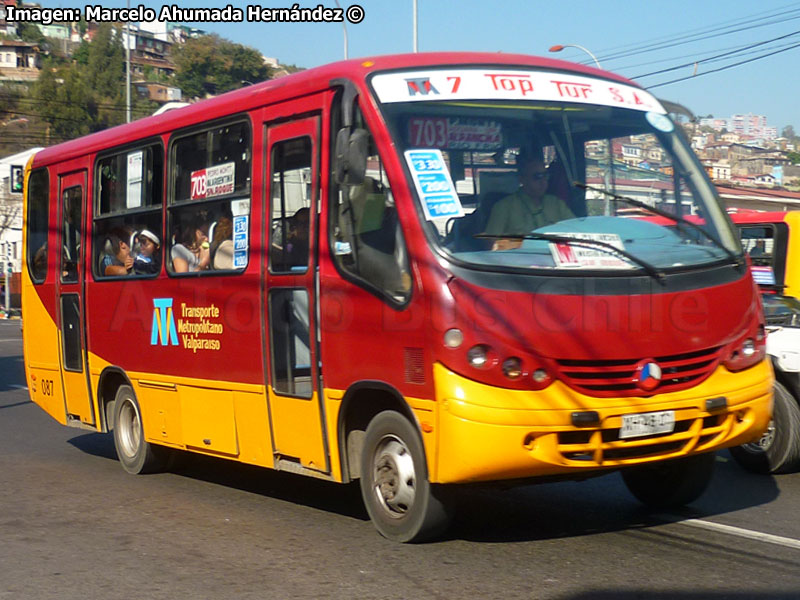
758	217
307	81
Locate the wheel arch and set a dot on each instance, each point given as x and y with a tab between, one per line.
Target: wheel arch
110	381
362	401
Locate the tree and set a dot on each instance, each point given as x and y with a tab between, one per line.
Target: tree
212	65
788	132
87	94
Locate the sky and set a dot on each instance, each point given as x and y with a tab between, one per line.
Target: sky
632	38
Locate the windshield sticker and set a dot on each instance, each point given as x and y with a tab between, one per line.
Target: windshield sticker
454	133
434	185
213	181
660	122
240	244
763	275
573	256
509	84
134	195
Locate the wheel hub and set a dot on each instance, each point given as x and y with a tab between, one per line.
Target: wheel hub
394	477
764	443
129	429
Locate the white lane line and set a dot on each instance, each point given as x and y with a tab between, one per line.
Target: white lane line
14	386
11	340
767	538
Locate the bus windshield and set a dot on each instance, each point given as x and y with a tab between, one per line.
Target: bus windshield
541	170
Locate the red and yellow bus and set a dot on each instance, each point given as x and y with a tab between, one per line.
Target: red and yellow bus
773	244
297	275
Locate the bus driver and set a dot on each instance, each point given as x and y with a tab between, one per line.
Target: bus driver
528	208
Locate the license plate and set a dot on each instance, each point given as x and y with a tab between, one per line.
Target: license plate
647	424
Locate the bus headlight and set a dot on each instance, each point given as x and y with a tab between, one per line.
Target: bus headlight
479	356
512	367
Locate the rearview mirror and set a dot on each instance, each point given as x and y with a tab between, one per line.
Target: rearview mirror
351	156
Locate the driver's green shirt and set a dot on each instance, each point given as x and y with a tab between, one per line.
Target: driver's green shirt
517	215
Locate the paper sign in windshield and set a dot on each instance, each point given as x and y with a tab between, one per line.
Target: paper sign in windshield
434	185
763	275
213	181
455	134
574	256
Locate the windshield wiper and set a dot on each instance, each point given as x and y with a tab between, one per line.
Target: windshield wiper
651	270
665	214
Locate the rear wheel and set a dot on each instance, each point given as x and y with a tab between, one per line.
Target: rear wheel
672	483
135	454
403	505
778	449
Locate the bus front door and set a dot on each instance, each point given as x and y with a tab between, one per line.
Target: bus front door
70	294
296	409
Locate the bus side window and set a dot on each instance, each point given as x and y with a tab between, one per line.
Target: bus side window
127	233
71	243
290	202
367	239
209	201
38	215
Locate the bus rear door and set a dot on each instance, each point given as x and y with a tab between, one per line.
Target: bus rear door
296	411
70	294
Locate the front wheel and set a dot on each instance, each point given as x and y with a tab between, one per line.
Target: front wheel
778	449
401	502
672	483
135	454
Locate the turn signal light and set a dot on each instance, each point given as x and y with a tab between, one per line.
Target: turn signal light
453	338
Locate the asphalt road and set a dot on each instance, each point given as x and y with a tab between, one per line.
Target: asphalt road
73	524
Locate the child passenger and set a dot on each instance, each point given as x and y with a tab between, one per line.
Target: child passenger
147	260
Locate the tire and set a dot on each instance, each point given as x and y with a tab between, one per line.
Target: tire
778	449
134	453
670	484
402	503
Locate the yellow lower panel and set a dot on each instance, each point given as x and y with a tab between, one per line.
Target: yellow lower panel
161	412
40	338
486	433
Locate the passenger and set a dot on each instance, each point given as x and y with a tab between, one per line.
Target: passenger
222	245
117	259
191	253
148	260
40	262
528	208
760	249
297	245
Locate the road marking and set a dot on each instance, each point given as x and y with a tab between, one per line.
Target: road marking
14	386
11	340
767	538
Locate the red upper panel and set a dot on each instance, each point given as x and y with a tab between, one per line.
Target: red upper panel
292	86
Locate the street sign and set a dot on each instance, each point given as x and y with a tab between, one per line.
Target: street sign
16	179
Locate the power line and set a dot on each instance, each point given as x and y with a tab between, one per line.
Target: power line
704	29
724	68
703	35
718	56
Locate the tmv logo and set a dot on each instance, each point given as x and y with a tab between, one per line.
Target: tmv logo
420	85
163	323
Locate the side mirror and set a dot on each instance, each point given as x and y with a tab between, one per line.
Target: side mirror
351	156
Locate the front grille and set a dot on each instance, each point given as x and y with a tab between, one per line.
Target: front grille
602	446
617	377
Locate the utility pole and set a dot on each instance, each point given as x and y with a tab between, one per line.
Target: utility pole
128	67
416	47
7	270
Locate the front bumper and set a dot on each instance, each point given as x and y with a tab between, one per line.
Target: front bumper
488	433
